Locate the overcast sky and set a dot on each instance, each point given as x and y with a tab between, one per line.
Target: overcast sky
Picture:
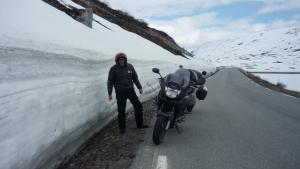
194	22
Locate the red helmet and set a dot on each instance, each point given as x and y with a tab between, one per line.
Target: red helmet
120	56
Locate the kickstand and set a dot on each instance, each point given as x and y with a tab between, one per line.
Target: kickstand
177	129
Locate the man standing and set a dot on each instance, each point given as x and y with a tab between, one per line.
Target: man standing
122	76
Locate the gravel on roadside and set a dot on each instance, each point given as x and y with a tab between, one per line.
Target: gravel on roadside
108	149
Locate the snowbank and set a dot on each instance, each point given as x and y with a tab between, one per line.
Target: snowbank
53	73
50	100
291	81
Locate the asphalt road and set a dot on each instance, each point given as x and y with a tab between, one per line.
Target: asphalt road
240	125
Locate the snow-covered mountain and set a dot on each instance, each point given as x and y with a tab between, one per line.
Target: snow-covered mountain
275	50
272	50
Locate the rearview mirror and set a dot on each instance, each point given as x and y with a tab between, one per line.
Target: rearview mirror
155	70
204	73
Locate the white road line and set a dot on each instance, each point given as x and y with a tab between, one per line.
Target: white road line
162	162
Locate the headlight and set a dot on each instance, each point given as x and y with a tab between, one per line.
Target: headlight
172	93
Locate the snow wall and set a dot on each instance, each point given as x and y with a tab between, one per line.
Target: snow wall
52	103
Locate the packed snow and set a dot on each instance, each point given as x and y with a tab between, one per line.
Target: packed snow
275	50
291	81
53	73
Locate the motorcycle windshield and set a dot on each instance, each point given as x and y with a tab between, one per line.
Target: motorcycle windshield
178	80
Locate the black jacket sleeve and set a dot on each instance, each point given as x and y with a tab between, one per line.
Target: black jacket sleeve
135	78
110	81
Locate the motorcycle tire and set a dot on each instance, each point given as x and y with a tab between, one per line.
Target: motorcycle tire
159	130
189	108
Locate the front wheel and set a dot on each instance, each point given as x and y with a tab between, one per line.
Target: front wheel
159	130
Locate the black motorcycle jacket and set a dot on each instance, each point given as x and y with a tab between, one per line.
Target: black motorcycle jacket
122	78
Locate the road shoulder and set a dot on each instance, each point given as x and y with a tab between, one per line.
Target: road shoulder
266	84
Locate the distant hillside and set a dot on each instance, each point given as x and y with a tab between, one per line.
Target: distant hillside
271	50
124	20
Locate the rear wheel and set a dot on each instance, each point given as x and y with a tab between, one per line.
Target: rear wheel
191	103
189	108
159	130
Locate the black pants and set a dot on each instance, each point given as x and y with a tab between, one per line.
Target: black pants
122	97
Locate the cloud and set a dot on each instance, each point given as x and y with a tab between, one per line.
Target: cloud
280	23
194	22
149	8
279	5
159	8
194	31
297	17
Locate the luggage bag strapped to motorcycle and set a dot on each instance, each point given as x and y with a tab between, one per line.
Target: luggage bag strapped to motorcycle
201	93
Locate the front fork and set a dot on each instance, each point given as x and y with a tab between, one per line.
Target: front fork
170	117
169	114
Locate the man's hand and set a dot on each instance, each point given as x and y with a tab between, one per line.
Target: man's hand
110	97
141	91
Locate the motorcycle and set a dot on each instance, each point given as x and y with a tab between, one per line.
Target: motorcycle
177	95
